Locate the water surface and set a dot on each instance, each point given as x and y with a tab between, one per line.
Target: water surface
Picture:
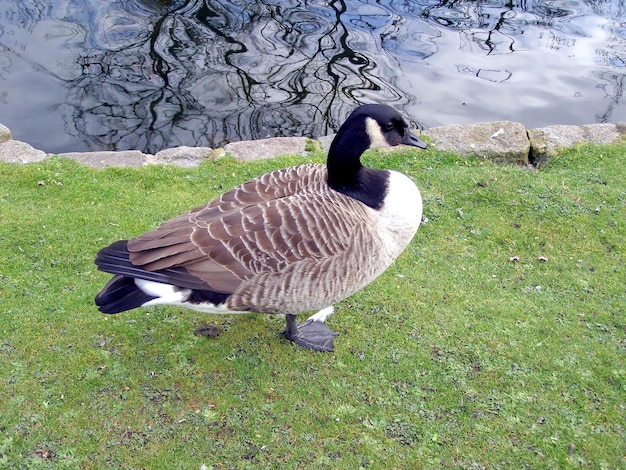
83	75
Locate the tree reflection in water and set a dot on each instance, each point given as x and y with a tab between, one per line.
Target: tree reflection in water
213	72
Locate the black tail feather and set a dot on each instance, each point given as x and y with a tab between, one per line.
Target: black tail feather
121	294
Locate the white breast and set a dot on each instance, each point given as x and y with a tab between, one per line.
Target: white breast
401	213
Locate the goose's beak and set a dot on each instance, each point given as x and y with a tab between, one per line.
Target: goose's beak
412	140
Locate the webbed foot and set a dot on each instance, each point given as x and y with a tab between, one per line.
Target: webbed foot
311	334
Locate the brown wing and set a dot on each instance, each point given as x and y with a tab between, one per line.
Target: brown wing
262	226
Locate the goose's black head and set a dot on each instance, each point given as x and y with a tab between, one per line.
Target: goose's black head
369	126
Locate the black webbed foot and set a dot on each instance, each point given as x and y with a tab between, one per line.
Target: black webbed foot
311	334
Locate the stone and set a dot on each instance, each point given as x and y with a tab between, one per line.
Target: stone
186	157
267	148
499	141
124	158
621	127
546	142
5	134
601	133
14	151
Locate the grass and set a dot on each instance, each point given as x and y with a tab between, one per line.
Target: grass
497	340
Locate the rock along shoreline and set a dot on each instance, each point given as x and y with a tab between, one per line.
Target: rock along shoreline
500	141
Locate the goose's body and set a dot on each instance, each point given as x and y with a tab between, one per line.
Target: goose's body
290	241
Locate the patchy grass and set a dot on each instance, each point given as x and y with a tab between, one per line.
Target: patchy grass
497	340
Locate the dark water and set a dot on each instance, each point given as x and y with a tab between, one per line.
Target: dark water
146	74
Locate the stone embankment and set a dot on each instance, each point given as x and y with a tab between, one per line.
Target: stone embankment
501	141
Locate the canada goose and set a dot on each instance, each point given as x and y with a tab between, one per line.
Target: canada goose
290	241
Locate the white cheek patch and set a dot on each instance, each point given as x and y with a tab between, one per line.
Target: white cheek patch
377	139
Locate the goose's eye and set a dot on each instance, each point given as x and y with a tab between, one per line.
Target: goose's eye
389	126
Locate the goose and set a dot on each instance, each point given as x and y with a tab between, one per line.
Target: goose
290	241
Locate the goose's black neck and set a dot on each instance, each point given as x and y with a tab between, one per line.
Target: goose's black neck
346	174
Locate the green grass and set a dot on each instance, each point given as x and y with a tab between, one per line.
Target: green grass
497	339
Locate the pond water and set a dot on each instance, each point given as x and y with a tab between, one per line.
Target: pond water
80	75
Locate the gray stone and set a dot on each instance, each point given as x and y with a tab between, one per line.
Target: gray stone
601	133
186	157
500	141
14	151
5	134
267	148
546	142
126	158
